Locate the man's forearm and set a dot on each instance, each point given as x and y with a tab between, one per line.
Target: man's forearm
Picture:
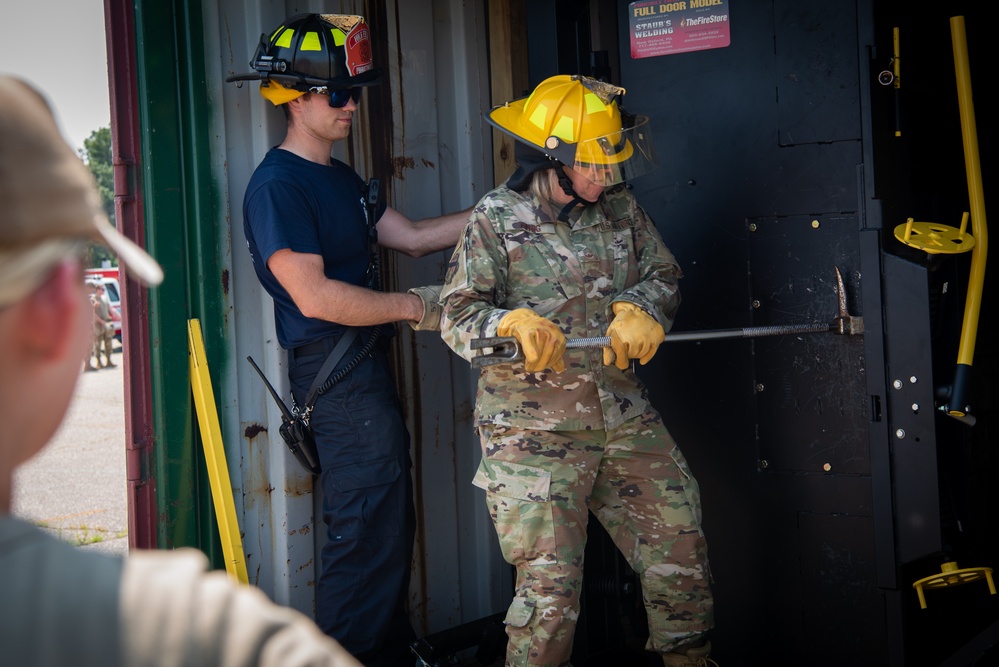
324	298
351	305
443	232
422	237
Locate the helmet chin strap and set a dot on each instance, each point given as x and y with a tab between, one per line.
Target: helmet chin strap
566	184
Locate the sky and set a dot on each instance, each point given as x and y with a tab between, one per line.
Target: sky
59	46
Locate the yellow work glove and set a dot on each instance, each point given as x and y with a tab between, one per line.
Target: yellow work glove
541	341
634	334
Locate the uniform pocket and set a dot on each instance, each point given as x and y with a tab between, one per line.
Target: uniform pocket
518	499
520	612
691	490
538	277
365	499
365	474
514	480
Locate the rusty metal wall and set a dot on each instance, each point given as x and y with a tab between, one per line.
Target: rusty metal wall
426	118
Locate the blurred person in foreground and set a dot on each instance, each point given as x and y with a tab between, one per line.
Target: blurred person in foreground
60	605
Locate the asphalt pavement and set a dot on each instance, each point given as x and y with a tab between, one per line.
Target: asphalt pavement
76	488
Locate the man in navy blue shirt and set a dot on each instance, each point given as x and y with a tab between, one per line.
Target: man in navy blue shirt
306	223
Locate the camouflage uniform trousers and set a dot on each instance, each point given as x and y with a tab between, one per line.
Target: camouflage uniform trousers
539	486
103	339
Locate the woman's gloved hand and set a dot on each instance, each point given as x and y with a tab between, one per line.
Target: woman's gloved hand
634	334
542	342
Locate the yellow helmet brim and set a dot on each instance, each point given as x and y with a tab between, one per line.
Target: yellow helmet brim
277	94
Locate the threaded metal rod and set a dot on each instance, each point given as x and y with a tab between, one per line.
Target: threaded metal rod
748	332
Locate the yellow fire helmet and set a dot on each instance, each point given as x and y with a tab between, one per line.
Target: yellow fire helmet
577	121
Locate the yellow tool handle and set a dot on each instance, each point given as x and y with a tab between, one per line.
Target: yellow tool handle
958	404
218	472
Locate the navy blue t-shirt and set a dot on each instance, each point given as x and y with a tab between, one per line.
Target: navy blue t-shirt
295	203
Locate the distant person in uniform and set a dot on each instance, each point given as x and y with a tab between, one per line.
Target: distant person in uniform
94	351
60	605
563	249
104	327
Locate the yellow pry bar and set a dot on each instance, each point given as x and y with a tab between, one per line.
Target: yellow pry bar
218	473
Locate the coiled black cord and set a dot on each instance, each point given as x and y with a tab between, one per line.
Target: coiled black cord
369	344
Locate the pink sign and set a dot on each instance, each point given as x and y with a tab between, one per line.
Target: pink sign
661	28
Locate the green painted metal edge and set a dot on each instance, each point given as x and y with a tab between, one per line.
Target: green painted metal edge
181	202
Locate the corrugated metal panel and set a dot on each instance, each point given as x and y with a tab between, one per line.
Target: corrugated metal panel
200	140
280	519
441	150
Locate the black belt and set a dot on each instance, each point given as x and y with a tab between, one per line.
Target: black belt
326	344
318	347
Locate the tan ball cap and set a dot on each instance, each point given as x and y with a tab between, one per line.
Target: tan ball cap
46	191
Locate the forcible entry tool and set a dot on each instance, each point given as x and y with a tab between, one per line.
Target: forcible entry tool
214	449
506	348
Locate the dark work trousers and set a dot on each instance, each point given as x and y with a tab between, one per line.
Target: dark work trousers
367	505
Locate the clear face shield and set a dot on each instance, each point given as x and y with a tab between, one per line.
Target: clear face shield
617	157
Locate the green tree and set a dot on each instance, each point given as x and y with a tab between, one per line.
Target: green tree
96	154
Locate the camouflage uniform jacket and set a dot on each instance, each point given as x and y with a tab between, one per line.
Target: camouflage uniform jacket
514	255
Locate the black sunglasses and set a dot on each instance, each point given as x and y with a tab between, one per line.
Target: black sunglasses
338	98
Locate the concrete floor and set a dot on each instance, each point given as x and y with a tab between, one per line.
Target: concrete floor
76	487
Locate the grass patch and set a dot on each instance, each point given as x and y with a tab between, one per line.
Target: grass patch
81	535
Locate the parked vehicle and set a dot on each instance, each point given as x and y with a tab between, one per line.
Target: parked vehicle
103	272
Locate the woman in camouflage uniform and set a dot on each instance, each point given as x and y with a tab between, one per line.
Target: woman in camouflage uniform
563	249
